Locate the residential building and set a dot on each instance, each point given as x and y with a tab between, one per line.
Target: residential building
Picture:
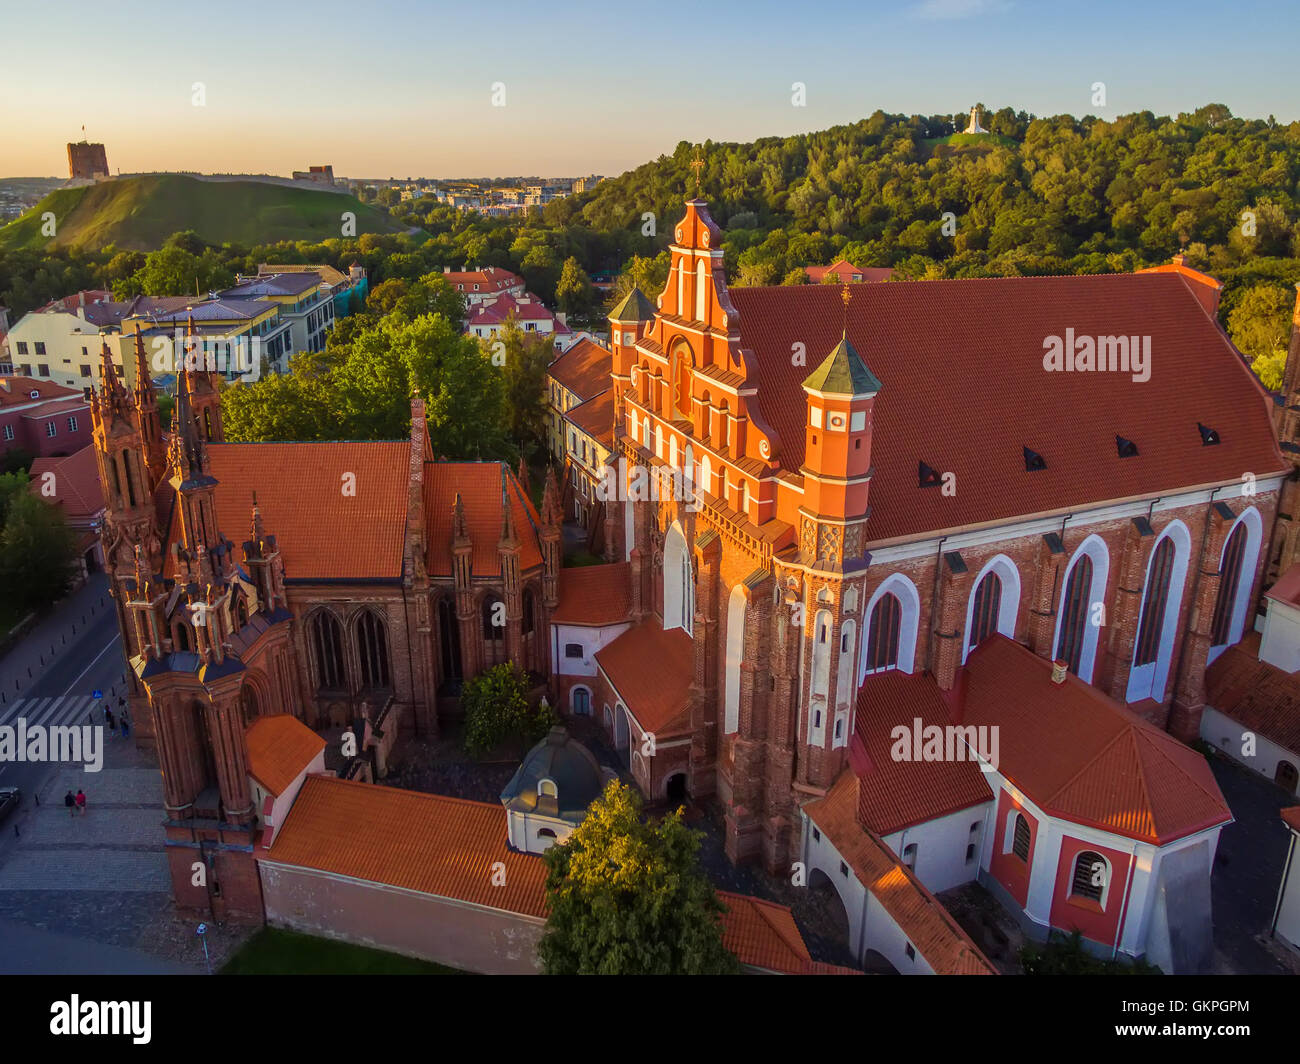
844	272
481	286
489	317
60	341
343	288
305	306
42	418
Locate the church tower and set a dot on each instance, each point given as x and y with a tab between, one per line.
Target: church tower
150	421
840	395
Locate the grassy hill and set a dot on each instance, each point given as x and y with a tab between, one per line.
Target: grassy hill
140	213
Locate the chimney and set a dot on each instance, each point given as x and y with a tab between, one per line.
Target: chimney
446	269
1179	259
1060	669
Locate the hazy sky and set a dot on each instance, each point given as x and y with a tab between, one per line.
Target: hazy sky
381	88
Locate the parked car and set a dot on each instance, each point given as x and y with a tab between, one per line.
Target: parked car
10	799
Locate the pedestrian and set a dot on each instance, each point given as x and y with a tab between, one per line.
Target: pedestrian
81	802
126	725
108	716
71	803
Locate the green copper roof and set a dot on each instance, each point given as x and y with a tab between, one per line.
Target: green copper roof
843	373
634	308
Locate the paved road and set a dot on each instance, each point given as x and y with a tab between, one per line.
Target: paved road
31	951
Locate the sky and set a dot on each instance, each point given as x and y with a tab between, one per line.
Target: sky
387	89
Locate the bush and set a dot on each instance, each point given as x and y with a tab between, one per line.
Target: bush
496	709
1062	955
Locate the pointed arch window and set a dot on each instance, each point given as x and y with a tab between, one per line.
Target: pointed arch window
1230	575
372	650
1074	614
700	290
987	608
882	642
327	642
1154	603
529	608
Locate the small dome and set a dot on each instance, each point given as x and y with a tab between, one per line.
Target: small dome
559	777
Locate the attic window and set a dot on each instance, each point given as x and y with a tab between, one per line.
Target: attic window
1126	448
926	476
1209	437
1033	461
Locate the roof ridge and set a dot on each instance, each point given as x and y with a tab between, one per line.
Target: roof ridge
1092	761
1162	749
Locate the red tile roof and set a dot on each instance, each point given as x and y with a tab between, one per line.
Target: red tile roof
491	279
652	671
964	390
1291	817
938	938
525	308
76	483
763	934
1287	589
17	391
845	271
321	532
897	794
1259	696
595	417
595	595
1082	756
423	842
447	847
583	369
480	485
279	748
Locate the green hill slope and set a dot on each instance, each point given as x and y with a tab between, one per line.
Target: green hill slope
140	213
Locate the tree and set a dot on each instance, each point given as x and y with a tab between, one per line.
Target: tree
496	710
523	360
1260	325
628	898
37	550
573	290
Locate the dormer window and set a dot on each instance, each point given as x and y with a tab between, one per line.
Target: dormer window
1209	437
927	476
546	789
1126	448
1033	461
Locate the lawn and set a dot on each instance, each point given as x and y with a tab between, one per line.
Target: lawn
275	952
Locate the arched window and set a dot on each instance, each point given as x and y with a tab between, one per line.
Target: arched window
681	287
883	633
909	856
1020	837
181	641
700	290
679	587
1077	630
372	650
1229	579
580	699
735	654
1074	614
706	474
248	704
241	611
327	642
1089	877
1236	579
1154	603
529	610
984	613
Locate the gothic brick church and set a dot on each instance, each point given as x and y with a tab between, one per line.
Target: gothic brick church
833	510
371	580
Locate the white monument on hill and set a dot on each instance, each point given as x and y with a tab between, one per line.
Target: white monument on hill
975	126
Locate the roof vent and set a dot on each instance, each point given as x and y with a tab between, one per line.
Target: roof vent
1126	448
1209	437
926	476
1033	461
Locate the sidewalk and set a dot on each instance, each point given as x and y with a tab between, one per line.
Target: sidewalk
25	664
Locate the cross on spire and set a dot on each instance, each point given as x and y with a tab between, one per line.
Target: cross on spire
845	296
697	164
